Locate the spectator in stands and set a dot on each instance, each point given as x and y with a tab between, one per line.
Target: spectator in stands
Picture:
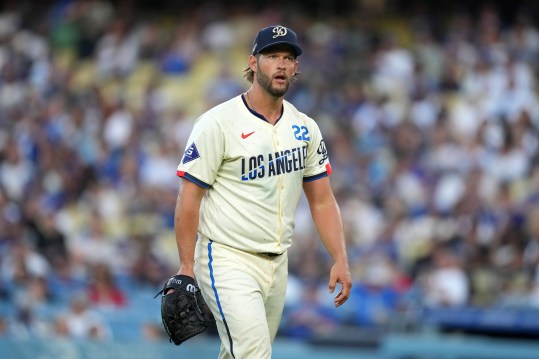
15	170
309	316
48	240
81	322
92	245
19	265
446	282
103	292
147	268
4	328
377	292
117	51
27	324
66	280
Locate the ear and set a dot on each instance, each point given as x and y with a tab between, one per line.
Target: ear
252	62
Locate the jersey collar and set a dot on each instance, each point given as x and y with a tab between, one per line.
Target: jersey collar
259	115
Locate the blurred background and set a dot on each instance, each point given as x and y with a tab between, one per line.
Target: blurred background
430	113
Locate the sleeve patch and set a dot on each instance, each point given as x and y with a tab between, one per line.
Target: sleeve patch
329	170
190	154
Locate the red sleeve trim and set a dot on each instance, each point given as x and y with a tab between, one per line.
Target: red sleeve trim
329	170
180	173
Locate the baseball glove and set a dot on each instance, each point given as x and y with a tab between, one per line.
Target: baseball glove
183	312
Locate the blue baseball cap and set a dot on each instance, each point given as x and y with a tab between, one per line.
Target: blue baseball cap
275	35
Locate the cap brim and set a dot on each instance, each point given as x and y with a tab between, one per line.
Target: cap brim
296	48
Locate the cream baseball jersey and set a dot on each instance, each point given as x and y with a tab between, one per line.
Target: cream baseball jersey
253	172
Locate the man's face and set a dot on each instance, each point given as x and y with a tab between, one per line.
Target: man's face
276	68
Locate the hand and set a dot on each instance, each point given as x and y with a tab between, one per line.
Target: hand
186	271
340	274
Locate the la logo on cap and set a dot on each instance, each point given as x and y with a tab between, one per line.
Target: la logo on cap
279	31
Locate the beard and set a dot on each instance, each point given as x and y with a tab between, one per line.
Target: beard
265	82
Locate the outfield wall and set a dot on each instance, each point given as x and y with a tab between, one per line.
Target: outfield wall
420	346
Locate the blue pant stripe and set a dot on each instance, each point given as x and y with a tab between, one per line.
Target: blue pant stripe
217	298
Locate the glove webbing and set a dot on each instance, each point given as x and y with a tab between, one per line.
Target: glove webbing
188	321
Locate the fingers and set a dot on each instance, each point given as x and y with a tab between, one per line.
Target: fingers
343	295
332	283
343	277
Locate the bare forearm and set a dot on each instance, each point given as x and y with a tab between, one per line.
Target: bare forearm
186	219
327	219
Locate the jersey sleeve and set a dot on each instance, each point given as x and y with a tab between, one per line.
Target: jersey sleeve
317	163
203	154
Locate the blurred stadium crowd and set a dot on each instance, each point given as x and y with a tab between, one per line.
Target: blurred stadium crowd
431	125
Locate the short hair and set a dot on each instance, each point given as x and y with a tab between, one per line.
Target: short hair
249	74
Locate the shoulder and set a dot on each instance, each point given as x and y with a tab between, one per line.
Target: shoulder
221	111
295	113
292	109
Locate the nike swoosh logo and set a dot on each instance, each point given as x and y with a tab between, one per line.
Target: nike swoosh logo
245	135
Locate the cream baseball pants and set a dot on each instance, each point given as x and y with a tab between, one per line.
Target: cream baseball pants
245	292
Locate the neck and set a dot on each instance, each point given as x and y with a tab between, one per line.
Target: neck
263	103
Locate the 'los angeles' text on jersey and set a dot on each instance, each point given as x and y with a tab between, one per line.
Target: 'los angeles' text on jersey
273	164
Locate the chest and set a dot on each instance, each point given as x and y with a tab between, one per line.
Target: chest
248	138
258	150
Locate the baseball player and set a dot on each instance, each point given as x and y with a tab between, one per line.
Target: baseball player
246	162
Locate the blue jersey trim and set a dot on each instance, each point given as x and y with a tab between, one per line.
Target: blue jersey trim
210	261
315	177
257	114
195	180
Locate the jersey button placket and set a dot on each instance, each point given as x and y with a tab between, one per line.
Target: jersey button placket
280	186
